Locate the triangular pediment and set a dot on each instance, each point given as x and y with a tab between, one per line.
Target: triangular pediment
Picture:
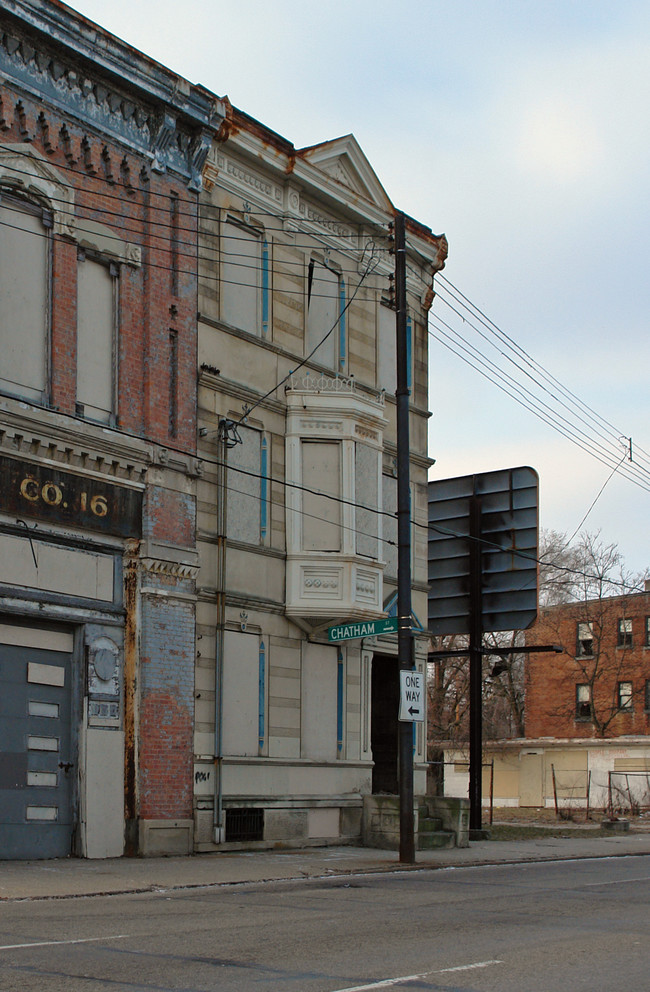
343	161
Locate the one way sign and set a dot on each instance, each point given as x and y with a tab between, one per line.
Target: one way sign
411	702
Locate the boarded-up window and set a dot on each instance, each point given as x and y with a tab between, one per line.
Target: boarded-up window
24	296
241	693
386	350
319	702
323	308
244	488
96	297
366	483
321	478
241	261
386	362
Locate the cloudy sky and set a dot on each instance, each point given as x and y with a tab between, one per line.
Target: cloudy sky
519	128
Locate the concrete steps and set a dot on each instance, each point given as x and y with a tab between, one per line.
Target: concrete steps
430	835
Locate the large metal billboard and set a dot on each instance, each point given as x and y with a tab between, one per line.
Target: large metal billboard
490	518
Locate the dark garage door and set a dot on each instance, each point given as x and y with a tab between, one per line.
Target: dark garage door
37	766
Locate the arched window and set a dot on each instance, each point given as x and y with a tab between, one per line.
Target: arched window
25	276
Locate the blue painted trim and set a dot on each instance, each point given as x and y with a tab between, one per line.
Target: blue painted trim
390	608
342	326
265	289
339	703
261	727
264	489
414	737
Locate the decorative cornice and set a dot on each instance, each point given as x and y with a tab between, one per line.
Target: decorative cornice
51	54
87	455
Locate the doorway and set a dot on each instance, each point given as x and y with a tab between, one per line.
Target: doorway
384	708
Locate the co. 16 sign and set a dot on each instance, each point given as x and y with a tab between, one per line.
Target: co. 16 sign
43	493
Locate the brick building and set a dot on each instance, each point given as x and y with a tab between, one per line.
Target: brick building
600	685
101	153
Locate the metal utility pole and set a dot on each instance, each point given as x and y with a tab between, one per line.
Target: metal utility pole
475	667
404	639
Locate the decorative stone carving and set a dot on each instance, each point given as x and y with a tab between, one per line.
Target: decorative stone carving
161	138
24	168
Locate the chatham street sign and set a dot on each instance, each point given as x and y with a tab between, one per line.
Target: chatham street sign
364	628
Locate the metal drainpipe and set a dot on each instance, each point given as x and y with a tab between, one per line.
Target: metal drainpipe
218	825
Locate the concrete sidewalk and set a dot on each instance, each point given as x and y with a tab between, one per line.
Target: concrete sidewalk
71	877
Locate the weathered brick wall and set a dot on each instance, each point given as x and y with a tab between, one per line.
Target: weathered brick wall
169	516
118	190
118	193
166	709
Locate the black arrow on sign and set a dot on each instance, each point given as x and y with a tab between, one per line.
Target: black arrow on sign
412	710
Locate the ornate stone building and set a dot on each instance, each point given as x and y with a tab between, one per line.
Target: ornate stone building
101	154
298	494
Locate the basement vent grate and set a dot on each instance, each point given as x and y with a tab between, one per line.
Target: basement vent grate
244	824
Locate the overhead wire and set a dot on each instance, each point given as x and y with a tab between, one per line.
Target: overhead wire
575	407
512	389
593	443
198	212
506	338
507	383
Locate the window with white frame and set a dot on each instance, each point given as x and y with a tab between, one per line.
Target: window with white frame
585	639
647	696
647	632
97	307
583	701
625	696
325	329
25	265
244	277
624	639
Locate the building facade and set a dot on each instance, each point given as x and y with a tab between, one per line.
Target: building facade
599	686
101	155
296	413
166	680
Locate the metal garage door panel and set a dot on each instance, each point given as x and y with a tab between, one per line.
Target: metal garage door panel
37	767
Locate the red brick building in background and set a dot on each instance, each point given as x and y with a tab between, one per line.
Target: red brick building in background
101	153
599	687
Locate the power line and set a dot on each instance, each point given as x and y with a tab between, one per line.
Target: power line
575	407
198	213
558	421
201	277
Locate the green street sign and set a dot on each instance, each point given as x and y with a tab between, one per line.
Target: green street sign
362	628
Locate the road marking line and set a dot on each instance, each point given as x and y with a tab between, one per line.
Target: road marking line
618	881
387	982
58	943
467	967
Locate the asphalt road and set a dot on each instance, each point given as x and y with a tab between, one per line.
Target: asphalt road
508	928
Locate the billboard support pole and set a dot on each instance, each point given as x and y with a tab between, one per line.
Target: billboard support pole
475	667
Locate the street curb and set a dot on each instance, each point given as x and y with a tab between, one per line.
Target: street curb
391	869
